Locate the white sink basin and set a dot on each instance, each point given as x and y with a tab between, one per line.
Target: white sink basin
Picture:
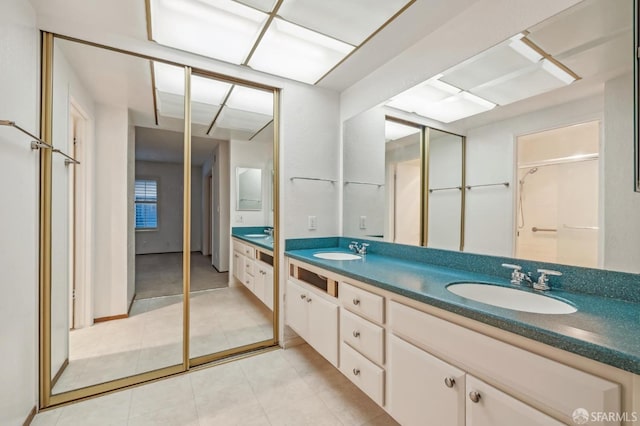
511	298
337	256
256	235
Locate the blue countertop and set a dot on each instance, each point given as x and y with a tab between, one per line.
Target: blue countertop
603	329
244	233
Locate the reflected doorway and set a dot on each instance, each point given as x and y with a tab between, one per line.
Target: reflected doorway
557	197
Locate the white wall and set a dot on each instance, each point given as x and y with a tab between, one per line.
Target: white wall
168	237
221	223
364	161
110	212
19	51
490	212
131	212
257	155
310	148
621	203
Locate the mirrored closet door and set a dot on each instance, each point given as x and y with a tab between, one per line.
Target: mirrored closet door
136	281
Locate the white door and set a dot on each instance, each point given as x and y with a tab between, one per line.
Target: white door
268	286
487	406
296	309
258	280
423	389
323	327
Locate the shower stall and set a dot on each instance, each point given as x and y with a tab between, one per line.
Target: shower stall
557	216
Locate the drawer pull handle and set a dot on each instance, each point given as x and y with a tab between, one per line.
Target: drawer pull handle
356	333
474	396
356	371
302	296
449	382
308	300
356	301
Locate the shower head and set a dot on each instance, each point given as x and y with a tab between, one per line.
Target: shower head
530	172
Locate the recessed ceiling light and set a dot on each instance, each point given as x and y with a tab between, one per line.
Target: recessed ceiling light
294	52
170	79
414	99
524	49
557	72
220	29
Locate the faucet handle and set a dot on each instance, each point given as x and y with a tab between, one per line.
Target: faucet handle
512	266
543	279
550	272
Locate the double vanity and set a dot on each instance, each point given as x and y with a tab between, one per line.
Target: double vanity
438	337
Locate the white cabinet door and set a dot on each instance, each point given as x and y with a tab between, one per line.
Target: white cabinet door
296	309
423	389
258	280
487	406
323	327
268	286
238	266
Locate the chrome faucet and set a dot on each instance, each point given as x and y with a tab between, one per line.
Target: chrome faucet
269	231
358	248
542	284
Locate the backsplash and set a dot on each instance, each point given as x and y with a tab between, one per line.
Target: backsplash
598	282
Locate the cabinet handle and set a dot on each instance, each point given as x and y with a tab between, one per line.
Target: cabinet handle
308	300
302	296
356	333
474	396
356	301
356	371
449	381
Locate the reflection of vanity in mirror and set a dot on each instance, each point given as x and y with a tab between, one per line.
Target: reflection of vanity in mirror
513	152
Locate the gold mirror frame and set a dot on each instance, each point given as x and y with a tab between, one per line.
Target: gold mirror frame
46	399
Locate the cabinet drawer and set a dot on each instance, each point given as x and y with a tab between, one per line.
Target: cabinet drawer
365	374
362	335
554	385
250	252
362	302
248	281
238	246
249	266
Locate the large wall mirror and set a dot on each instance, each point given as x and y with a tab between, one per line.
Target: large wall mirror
531	150
141	226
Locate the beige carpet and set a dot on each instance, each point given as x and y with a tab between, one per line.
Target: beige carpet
161	274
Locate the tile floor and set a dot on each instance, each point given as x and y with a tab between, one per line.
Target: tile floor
151	337
282	387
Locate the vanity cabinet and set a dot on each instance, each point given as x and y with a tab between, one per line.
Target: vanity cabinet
423	387
314	316
249	267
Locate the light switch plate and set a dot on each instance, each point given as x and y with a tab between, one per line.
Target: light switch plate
313	223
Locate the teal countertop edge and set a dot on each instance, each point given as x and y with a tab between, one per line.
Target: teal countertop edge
242	232
605	329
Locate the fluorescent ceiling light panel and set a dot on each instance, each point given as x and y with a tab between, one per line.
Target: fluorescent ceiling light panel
525	50
170	79
252	100
294	52
350	21
263	5
557	72
430	91
394	131
220	29
203	113
490	65
520	86
235	119
170	105
457	107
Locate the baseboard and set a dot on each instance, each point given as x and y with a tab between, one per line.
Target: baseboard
59	373
113	317
30	417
